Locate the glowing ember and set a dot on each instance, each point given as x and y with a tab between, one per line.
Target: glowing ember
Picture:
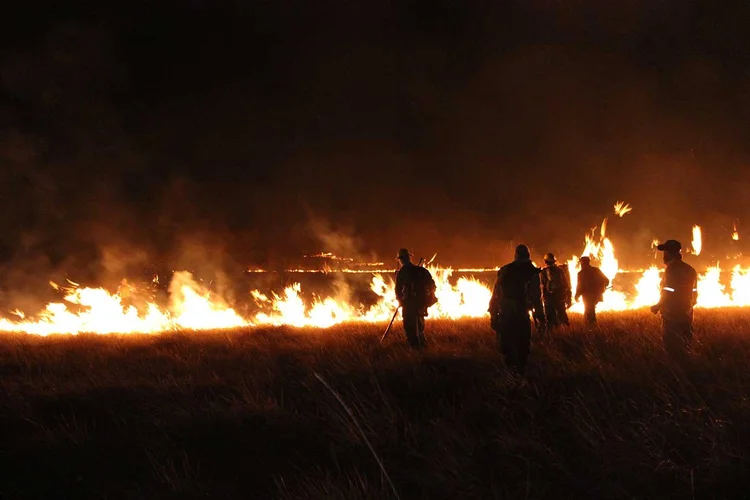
735	231
621	208
697	240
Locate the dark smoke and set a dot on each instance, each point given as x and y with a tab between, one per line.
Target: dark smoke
217	135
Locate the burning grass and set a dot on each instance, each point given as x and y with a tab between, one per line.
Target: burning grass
240	414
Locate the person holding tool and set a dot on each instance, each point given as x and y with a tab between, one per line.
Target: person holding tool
415	292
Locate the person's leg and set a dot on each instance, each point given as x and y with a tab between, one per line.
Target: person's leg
409	316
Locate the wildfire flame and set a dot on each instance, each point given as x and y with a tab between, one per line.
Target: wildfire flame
621	208
735	232
191	306
697	240
467	298
603	252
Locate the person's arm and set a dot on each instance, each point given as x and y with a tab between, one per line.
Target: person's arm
663	290
399	287
496	294
568	290
694	280
605	280
534	294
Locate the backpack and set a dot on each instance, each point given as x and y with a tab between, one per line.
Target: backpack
566	272
555	280
419	286
427	287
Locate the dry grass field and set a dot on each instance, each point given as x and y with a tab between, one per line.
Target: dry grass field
240	414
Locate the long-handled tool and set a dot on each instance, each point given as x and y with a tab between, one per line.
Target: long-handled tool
396	312
390	324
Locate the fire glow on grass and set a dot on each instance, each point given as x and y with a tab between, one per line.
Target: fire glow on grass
193	307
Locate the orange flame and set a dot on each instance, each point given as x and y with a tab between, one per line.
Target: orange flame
621	208
697	240
602	251
190	308
193	307
467	298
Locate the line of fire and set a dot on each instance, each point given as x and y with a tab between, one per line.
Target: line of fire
360	292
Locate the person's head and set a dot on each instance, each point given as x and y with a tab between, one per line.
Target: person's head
404	256
672	250
585	261
549	258
522	254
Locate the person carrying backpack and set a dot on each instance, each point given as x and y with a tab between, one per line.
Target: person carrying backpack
556	292
415	292
517	292
592	283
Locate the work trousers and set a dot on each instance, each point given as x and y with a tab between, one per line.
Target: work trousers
589	310
557	314
413	319
677	331
513	331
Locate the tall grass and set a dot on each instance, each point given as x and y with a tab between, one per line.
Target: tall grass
240	414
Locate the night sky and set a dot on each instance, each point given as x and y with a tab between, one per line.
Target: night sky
249	133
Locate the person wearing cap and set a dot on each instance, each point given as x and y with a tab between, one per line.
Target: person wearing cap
592	283
679	293
517	291
415	292
556	292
